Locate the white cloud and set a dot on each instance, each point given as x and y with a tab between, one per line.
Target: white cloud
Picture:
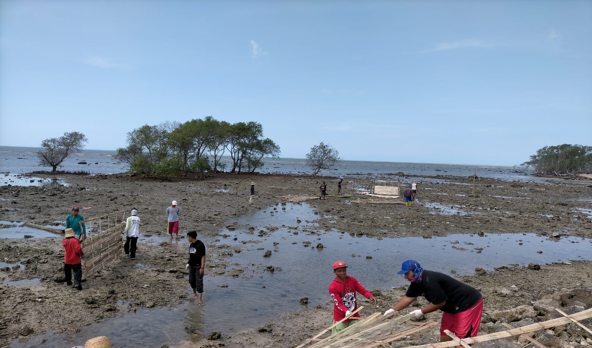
101	62
256	50
553	35
453	45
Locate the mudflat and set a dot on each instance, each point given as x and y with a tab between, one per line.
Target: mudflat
41	303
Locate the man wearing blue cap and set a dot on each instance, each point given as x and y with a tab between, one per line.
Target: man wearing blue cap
462	304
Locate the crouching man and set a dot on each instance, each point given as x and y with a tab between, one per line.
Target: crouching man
462	304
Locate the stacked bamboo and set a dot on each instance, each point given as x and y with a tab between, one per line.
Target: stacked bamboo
370	332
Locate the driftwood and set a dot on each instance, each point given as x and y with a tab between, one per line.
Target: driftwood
586	314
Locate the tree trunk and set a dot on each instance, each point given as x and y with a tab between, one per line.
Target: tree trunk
54	168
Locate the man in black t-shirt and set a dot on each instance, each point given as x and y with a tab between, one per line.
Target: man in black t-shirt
196	265
462	304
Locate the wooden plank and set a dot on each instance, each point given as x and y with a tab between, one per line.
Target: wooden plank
329	328
456	339
573	320
585	314
526	337
44	228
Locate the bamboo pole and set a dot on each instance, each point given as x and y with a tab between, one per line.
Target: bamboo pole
526	337
44	228
402	334
585	314
574	321
456	339
329	328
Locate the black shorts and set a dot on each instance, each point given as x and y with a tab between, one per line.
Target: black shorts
195	279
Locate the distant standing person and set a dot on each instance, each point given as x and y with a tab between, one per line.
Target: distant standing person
173	219
413	190
252	188
408	197
343	291
196	265
72	258
462	304
75	221
339	186
323	189
131	232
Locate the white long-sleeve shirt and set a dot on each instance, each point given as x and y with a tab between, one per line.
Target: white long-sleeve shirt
132	226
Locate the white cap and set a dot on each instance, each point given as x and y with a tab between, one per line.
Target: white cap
174	203
134	212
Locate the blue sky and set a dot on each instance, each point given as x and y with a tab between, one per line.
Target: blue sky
476	82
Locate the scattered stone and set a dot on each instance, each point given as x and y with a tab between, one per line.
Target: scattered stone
28	236
25	331
480	271
320	246
534	266
304	301
270	269
214	336
368	257
267	253
266	328
514	314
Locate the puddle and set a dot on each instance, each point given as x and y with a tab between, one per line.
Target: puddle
7	266
447	210
16	230
301	269
9	179
23	282
584	211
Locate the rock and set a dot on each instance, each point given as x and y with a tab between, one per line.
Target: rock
514	314
150	304
266	328
304	301
214	336
25	330
556	235
503	292
270	269
480	271
320	246
28	236
534	266
172	270
514	288
267	253
368	257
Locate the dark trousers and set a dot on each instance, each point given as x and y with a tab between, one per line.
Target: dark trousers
77	274
195	279
130	246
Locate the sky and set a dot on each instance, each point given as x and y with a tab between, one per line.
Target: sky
467	82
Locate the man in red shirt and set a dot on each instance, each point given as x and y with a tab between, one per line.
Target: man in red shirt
343	291
72	255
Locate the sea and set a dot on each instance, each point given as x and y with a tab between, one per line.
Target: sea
15	162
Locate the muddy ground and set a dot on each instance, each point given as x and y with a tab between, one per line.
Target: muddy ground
484	205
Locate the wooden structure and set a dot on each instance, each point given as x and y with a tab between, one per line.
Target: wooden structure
375	331
103	246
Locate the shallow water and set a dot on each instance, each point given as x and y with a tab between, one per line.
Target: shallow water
447	210
12	266
16	230
8	179
303	270
23	282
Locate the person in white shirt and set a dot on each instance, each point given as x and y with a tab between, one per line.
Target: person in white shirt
131	232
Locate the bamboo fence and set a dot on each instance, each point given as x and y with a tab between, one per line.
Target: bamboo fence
103	244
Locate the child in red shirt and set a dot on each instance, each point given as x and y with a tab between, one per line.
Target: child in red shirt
72	255
343	291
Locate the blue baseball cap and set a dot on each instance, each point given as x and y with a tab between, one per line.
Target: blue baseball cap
409	265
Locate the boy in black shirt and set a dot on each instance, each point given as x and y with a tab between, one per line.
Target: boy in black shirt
462	304
196	265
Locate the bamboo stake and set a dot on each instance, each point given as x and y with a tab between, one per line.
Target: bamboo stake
402	334
456	339
329	328
585	314
573	320
347	332
526	337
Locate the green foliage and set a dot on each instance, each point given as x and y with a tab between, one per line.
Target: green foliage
55	150
196	146
321	156
562	159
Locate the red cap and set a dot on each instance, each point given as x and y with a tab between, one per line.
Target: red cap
339	264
